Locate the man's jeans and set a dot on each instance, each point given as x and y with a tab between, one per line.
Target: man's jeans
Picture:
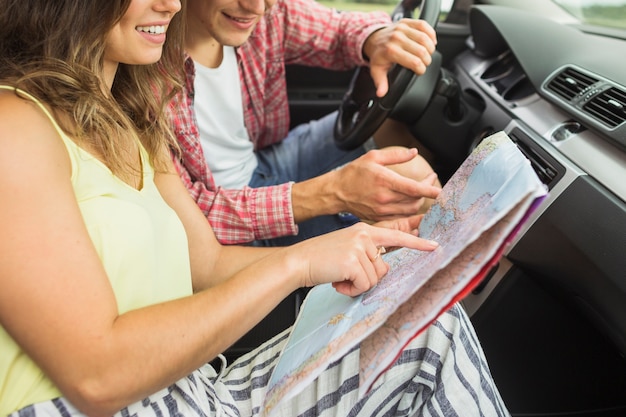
307	152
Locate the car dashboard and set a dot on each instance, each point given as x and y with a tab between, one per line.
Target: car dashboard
552	314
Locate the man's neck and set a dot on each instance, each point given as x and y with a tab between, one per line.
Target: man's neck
206	52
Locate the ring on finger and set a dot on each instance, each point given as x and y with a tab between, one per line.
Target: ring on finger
381	251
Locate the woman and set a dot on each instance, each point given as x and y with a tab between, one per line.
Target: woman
115	293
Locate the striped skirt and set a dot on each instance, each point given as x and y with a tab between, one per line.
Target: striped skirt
443	372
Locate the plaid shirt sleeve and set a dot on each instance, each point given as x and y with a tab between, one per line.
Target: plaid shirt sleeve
296	32
324	37
240	216
237	216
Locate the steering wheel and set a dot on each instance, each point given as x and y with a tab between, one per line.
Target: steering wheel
361	112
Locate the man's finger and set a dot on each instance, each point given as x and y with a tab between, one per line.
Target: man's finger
379	76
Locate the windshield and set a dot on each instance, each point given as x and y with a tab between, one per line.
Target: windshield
608	13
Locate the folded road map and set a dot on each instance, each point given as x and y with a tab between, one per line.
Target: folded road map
477	213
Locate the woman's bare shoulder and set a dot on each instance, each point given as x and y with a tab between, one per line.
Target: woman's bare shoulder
20	114
26	132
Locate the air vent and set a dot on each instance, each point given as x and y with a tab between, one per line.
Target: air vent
569	83
507	78
609	107
501	67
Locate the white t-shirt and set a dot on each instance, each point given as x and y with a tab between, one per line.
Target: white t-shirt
219	112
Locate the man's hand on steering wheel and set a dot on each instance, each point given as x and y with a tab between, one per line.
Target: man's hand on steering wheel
397	54
408	42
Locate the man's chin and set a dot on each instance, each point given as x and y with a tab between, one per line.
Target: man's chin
235	40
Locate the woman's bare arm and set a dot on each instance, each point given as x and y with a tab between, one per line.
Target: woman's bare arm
56	299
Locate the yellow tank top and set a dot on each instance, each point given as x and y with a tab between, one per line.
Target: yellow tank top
142	245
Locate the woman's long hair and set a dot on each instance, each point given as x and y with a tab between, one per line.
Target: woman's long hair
54	50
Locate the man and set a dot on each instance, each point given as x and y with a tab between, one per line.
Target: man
255	180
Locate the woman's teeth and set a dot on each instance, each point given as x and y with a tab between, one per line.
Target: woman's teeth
154	30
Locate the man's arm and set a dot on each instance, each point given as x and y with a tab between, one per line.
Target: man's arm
321	36
324	37
241	216
373	187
